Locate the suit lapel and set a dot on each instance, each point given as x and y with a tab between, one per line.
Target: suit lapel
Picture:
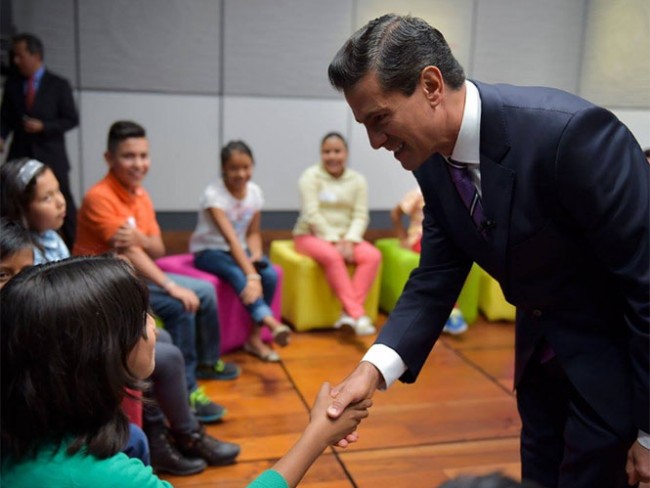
497	180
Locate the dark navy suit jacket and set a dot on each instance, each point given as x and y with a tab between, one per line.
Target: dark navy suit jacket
566	190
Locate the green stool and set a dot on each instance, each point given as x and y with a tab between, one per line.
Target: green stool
397	264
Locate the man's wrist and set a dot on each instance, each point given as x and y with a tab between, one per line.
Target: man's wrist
369	369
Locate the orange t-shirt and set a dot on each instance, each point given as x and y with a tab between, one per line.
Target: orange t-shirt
105	208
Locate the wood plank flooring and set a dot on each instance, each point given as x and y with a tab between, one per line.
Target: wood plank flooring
459	417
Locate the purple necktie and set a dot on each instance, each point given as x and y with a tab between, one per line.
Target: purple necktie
468	192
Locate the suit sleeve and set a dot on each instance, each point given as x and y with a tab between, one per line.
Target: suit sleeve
603	180
428	297
66	116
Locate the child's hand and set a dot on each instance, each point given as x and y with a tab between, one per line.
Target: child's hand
251	292
126	236
187	297
330	431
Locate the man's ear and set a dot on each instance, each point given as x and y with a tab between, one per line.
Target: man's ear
432	84
108	157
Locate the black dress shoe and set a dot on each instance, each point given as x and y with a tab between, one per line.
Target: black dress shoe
201	445
165	458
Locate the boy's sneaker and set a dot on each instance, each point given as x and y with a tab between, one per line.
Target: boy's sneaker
220	371
363	326
456	324
204	409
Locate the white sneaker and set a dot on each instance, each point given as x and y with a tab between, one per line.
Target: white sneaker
344	320
364	327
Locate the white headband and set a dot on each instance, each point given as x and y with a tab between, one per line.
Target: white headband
27	172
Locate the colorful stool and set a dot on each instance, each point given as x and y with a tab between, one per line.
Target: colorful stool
308	302
397	265
234	320
491	300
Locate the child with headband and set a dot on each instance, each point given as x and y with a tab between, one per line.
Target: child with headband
31	196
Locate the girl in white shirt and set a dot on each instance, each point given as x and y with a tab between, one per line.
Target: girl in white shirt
227	242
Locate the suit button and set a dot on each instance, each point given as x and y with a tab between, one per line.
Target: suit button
537	313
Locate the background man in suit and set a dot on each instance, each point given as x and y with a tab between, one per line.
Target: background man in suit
38	108
549	194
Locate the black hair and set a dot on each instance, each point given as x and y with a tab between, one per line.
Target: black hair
13	238
647	152
14	196
231	147
338	135
34	44
66	331
396	48
122	130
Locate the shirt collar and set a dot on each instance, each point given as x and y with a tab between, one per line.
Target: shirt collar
467	145
121	192
39	74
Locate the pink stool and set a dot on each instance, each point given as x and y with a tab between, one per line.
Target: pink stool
234	319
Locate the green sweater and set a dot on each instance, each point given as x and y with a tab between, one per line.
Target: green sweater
58	470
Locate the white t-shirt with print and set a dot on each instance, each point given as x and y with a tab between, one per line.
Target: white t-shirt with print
239	212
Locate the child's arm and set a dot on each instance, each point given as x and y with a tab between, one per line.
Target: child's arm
396	217
320	433
254	237
253	289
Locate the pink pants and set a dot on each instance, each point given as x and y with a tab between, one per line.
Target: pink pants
351	291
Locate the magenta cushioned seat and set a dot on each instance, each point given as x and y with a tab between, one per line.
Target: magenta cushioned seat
234	319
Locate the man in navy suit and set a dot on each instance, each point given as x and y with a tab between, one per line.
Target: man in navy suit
38	108
550	195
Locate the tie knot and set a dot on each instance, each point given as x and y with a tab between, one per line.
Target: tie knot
457	170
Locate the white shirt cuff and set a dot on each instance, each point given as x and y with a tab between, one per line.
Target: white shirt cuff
387	361
644	439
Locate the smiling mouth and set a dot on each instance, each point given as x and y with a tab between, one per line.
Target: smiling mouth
397	149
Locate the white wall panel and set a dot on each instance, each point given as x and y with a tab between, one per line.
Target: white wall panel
150	45
284	135
183	132
282	47
529	42
616	68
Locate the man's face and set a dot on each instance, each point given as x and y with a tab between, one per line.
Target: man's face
405	125
130	163
26	62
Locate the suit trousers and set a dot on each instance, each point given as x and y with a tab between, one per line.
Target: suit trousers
564	442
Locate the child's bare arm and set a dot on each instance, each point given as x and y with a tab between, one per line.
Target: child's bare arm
321	432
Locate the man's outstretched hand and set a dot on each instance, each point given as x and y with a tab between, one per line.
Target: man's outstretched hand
358	386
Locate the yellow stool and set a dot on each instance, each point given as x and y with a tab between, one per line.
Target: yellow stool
491	300
308	302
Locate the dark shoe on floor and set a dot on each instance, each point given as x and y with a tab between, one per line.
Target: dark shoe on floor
165	458
220	371
213	451
204	409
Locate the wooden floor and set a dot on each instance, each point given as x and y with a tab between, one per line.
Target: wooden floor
460	416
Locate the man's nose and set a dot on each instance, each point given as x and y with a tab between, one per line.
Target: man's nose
376	138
